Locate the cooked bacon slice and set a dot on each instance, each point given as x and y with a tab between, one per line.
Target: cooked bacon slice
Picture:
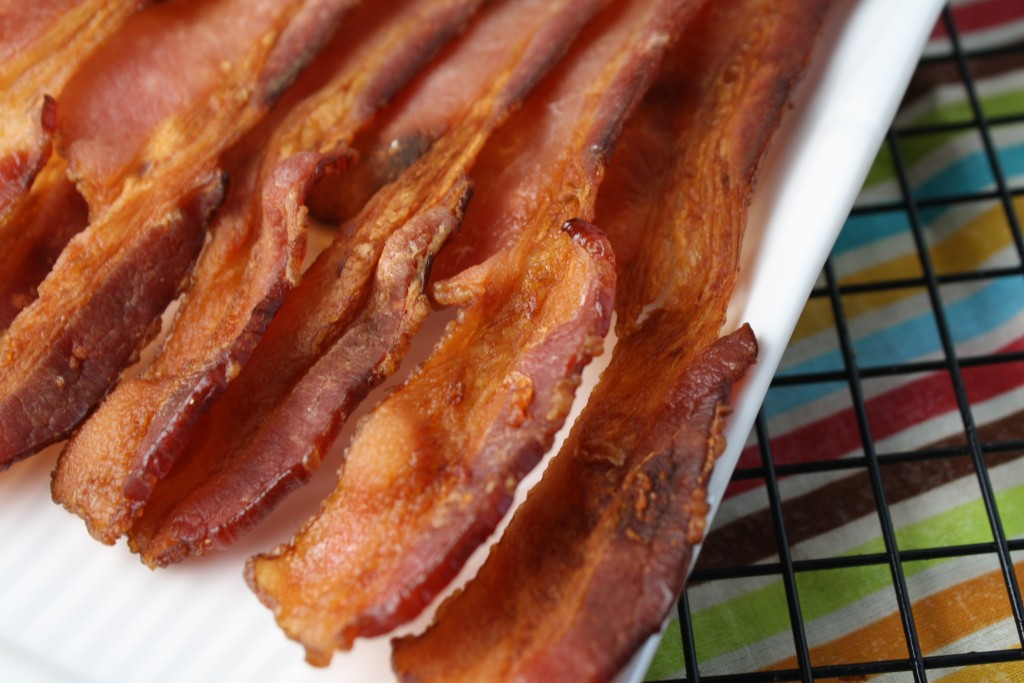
42	43
209	69
610	538
347	324
149	173
427	109
434	467
109	468
606	536
41	46
41	226
236	288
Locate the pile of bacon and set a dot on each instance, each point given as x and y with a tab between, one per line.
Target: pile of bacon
464	149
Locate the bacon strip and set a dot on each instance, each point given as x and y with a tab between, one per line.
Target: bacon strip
606	536
349	321
109	469
41	45
433	469
449	89
149	175
43	223
577	583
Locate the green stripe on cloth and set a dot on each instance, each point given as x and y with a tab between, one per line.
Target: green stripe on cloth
668	660
915	148
726	627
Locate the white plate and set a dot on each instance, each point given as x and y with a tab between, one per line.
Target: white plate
74	610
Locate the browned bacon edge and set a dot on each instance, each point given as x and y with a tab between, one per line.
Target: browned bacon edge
51	214
151	413
421	557
621	524
43	397
369	350
36	224
275	260
19	167
109	470
338	113
534	400
332	342
33	77
434	467
69	374
387	153
608	532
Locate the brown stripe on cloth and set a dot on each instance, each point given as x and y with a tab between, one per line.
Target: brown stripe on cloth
748	539
932	74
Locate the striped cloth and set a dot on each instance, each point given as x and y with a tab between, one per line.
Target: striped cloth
960	604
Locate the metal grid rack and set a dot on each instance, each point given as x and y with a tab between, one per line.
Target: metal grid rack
872	464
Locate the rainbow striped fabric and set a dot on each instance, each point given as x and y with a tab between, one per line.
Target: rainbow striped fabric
960	603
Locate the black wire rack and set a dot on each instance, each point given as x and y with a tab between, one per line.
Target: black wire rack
872	464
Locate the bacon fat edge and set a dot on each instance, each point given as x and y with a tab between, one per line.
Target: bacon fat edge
434	467
607	534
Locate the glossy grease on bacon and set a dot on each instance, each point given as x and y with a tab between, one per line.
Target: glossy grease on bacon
348	322
607	534
433	469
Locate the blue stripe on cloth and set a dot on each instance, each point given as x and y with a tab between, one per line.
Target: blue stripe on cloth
970	174
973	316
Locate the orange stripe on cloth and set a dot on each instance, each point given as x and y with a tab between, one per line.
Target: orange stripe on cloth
1007	672
941	619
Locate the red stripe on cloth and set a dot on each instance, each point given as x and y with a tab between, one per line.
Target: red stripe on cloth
888	413
980	16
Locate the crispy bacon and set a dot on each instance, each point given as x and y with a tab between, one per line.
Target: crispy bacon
51	214
434	467
200	75
41	45
607	540
149	174
349	321
606	536
109	469
429	106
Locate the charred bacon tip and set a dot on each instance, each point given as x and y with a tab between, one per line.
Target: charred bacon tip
590	237
48	115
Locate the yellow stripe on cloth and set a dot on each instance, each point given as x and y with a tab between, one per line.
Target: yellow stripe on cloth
966	249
